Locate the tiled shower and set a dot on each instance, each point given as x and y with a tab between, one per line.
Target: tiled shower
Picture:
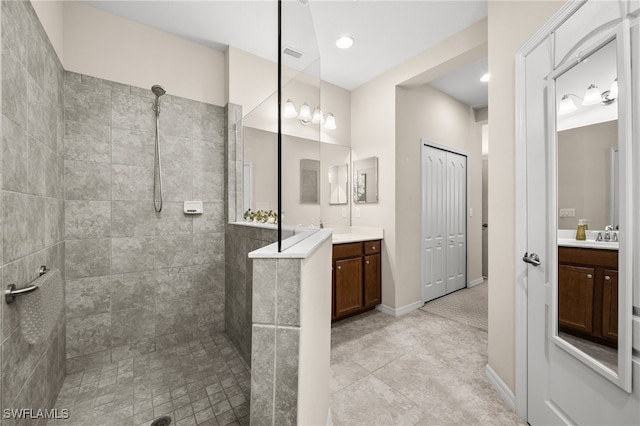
141	334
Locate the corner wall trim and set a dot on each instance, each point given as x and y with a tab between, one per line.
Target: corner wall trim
396	312
500	386
475	282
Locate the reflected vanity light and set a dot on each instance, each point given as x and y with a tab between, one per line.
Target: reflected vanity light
591	97
306	117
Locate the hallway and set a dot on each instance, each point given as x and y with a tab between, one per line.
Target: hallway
417	369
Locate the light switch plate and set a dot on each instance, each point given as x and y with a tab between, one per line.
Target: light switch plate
567	212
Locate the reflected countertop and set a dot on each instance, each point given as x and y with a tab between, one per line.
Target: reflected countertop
592	244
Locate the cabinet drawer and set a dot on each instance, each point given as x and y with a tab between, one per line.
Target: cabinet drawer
587	256
372	247
347	250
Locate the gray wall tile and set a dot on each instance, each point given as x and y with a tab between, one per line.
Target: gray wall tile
14	89
173	284
132	325
53	221
288	292
133	183
132	148
132	112
87	219
208	248
136	289
132	254
176	152
87	103
262	371
87	142
208	186
211	220
172	220
87	181
177	185
87	258
23	225
36	176
88	334
132	219
174	250
207	157
15	156
264	291
286	386
88	296
14	29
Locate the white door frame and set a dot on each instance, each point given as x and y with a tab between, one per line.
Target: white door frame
424	143
520	278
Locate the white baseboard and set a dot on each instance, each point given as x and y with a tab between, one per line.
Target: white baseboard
475	282
396	312
501	387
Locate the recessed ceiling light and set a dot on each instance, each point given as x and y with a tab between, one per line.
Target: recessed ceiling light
345	41
485	78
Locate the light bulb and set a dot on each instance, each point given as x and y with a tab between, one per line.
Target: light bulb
317	116
330	122
305	114
290	109
566	105
592	96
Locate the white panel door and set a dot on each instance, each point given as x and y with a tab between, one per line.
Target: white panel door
456	221
434	202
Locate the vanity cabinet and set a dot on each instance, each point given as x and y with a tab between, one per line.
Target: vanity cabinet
588	293
356	278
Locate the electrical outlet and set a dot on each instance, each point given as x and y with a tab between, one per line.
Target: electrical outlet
567	212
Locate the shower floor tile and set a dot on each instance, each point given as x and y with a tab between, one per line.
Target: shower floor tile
202	382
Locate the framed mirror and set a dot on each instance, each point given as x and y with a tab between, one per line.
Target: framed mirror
309	181
338	177
365	180
591	282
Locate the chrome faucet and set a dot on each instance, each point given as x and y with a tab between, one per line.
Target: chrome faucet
599	237
607	236
615	237
608	228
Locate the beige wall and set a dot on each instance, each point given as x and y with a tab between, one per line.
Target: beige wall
584	173
252	80
433	115
51	16
373	133
103	45
511	24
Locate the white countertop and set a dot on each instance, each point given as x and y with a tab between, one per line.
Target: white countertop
356	234
592	244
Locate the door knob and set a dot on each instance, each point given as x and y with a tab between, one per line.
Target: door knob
532	259
589	276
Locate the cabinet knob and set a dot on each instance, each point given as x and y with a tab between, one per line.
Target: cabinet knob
589	276
607	278
339	267
373	247
367	262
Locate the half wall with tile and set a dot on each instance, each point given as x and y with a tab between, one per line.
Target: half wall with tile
139	281
32	220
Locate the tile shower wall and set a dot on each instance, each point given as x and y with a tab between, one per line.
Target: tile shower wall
138	281
240	240
31	204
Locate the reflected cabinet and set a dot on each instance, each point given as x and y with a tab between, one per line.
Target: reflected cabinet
588	294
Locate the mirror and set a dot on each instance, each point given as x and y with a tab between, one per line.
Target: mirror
309	181
587	202
365	180
305	169
338	184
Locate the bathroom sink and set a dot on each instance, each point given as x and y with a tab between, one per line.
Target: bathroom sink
572	242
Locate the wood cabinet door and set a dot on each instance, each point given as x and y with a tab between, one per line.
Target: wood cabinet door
610	305
372	291
575	297
348	274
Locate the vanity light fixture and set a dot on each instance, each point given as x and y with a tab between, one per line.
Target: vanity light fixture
306	117
592	96
567	105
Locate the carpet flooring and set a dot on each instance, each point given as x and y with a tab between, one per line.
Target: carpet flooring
468	306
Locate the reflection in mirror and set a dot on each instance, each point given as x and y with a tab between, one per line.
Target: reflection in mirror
260	148
309	181
587	289
365	180
338	184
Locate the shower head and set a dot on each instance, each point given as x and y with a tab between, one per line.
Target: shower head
158	90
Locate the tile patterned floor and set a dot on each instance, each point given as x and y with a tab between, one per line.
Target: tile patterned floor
417	369
203	382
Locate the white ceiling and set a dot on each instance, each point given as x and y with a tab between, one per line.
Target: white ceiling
387	33
464	84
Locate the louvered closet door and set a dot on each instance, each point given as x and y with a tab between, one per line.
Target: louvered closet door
456	190
434	227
